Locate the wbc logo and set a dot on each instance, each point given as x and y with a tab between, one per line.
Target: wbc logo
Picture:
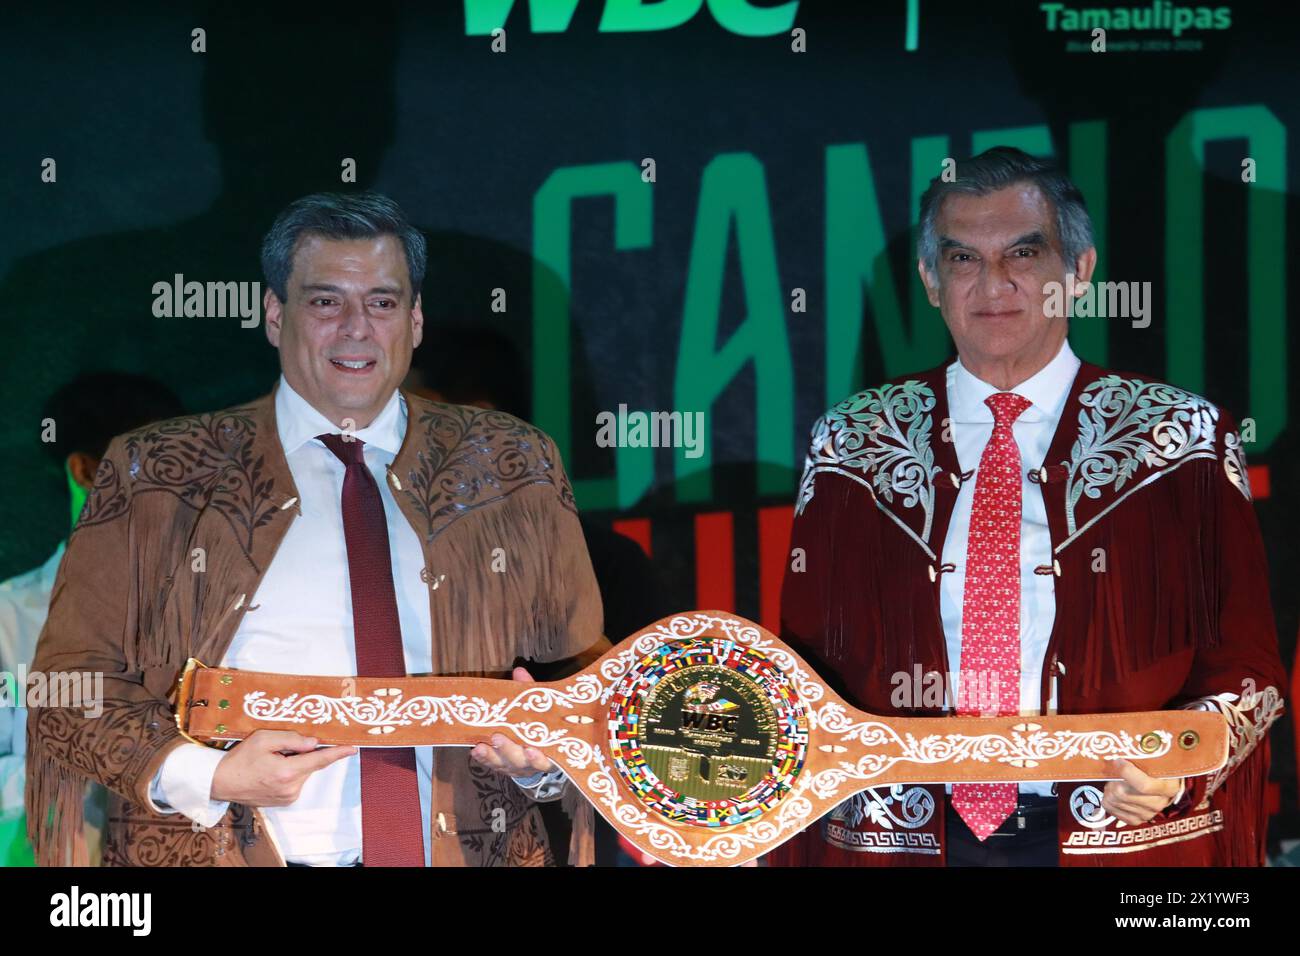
700	711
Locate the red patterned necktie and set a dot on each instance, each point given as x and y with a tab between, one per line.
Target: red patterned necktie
391	824
990	622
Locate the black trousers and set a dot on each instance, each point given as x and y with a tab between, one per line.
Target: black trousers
1026	838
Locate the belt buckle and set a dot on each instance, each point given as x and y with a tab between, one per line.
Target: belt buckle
1022	823
184	690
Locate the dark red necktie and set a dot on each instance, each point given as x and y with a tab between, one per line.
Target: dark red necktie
391	825
990	617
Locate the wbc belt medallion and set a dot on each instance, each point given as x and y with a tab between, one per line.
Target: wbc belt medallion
707	732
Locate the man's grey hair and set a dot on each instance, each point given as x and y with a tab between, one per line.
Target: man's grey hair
998	168
339	216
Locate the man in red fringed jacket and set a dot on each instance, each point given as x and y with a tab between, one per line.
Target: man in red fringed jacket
1022	532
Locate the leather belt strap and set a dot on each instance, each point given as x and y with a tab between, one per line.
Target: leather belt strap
216	705
703	739
221	704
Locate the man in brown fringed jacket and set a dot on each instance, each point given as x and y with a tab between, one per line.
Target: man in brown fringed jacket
248	537
1021	532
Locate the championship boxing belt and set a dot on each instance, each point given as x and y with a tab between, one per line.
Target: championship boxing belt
703	739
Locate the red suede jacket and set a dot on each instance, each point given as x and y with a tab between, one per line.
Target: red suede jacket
1179	617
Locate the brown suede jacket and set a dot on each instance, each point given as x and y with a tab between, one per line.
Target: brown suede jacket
127	602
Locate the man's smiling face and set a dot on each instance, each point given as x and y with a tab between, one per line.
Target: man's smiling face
997	253
348	327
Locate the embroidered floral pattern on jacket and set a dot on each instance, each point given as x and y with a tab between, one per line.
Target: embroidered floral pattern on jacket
1249	715
510	830
1234	463
476	457
204	460
1128	423
915	807
880	438
878	820
107	498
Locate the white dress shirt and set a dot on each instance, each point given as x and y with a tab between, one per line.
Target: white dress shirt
24	605
972	427
300	622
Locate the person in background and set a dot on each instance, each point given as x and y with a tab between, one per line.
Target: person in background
79	419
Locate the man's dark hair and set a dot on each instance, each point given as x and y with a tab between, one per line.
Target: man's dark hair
339	216
471	363
93	408
998	168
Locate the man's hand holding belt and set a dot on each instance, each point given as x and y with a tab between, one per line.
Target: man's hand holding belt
528	767
1138	797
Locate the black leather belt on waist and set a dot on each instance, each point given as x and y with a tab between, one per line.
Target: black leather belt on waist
1035	803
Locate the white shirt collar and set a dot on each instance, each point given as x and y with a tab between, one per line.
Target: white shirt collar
298	422
1047	389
